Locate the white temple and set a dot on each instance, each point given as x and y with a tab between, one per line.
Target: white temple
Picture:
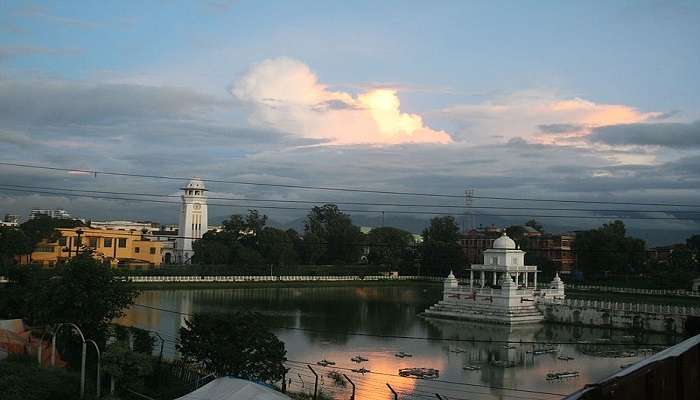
503	291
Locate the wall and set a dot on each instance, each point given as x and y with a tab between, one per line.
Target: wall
651	317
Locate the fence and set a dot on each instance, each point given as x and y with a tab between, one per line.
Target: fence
652	292
276	278
671	374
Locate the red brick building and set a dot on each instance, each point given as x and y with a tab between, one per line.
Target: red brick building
556	248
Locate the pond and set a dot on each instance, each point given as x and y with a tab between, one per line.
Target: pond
323	323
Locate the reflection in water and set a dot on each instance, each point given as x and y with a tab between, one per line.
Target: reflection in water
394	311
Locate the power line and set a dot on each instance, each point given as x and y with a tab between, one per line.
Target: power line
472	340
468	202
338	189
251	206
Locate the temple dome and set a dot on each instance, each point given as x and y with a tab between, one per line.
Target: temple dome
504	242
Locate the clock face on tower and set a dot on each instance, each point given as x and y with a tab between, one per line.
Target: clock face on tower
197	206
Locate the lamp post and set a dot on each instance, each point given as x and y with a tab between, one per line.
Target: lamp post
82	366
99	361
77	242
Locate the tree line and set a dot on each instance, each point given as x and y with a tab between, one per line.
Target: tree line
330	238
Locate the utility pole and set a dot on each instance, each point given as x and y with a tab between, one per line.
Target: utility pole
468	202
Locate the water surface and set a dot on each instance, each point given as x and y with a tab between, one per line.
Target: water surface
326	312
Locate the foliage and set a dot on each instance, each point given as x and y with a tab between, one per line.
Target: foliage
126	367
238	344
43	227
22	379
245	241
535	225
517	233
81	291
390	246
339	241
276	246
13	242
609	249
440	251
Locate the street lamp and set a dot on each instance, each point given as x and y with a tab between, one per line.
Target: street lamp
77	242
82	365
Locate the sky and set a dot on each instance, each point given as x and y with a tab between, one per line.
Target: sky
595	101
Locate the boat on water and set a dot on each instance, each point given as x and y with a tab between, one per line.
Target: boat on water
471	368
508	346
503	364
561	375
325	363
401	354
360	371
546	350
565	358
419	373
359	359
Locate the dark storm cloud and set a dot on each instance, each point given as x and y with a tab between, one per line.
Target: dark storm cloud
559	128
65	103
669	134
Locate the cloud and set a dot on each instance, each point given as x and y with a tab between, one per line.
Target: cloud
560	128
669	134
530	114
285	94
63	102
7	52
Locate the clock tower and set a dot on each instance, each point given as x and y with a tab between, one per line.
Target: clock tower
193	219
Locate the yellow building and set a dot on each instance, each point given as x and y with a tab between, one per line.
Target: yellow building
129	249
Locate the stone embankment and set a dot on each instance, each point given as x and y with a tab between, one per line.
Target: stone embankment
619	315
644	292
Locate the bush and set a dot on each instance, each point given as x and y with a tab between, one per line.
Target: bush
22	379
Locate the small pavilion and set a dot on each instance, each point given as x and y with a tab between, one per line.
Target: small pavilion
502	293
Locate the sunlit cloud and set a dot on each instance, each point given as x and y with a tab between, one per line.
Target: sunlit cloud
285	94
540	117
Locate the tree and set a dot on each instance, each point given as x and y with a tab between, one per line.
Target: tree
535	225
442	229
81	291
389	246
517	233
125	366
13	242
440	250
43	227
609	249
246	228
238	344
276	247
339	239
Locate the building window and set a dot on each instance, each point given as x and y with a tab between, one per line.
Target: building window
121	243
92	242
494	260
44	249
137	250
62	241
107	242
153	250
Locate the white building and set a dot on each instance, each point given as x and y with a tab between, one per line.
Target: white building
148	227
502	292
58	213
193	219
